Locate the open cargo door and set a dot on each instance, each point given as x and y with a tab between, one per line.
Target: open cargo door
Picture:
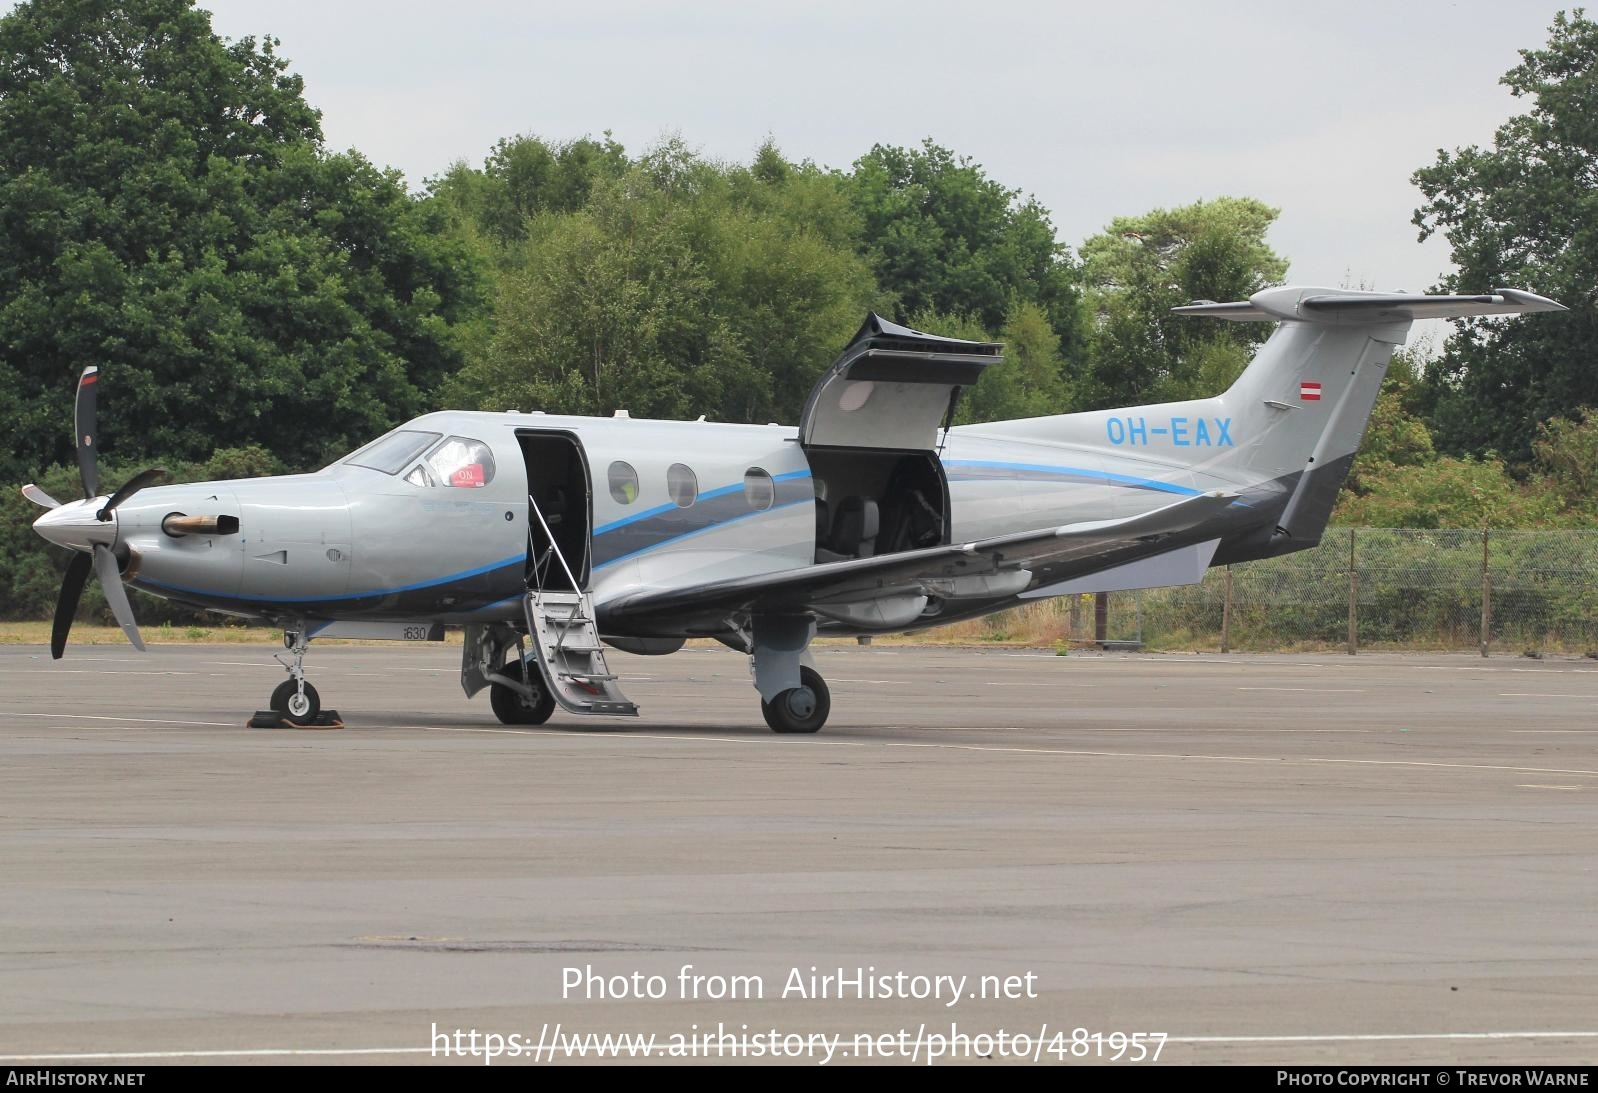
870	430
893	388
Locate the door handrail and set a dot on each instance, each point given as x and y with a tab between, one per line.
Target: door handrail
570	576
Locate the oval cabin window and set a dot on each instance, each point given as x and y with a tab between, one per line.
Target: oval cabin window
759	490
682	485
623	482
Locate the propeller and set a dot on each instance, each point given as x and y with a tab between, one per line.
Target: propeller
70	525
39	497
66	605
128	489
85	421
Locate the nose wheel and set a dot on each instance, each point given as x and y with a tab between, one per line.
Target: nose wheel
800	709
297	700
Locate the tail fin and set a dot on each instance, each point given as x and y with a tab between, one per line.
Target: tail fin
1306	398
1296	415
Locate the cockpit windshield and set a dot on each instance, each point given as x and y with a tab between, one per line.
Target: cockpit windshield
394	452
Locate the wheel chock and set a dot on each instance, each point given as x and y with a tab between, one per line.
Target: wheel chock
271	719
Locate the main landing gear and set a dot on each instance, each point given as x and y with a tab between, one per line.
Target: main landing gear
529	704
793	696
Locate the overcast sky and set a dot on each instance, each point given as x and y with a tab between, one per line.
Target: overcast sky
1100	109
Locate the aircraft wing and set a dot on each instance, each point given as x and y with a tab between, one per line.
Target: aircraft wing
802	589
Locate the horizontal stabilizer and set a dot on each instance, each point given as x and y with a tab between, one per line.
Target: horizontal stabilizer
1340	307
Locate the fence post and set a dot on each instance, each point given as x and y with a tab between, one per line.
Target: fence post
1226	613
1353	598
1486	597
1101	616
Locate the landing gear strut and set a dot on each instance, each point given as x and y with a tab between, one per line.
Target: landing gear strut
295	698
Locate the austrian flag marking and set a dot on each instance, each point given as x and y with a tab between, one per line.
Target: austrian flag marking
1309	392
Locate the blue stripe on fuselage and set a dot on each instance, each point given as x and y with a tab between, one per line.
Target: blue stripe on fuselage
1032	471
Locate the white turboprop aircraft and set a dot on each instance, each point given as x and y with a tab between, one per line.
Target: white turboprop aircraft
546	537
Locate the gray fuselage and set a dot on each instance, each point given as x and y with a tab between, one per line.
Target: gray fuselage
352	542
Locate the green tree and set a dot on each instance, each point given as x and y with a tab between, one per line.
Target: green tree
1396	435
1522	213
1566	451
525	176
1449	492
682	287
944	238
170	213
1029	383
1142	266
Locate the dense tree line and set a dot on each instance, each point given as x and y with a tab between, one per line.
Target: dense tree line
173	214
170	213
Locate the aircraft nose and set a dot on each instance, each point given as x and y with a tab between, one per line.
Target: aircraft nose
76	526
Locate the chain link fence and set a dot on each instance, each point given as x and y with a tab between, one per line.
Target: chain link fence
1365	588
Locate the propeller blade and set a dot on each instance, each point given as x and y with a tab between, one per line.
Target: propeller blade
66	605
84	419
129	488
105	567
39	497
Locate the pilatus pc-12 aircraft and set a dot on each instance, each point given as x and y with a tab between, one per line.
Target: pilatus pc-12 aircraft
549	537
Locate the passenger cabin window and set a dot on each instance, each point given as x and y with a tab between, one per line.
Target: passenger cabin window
461	462
682	485
759	490
394	452
623	482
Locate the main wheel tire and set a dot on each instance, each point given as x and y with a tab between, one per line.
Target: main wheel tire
800	709
514	708
301	708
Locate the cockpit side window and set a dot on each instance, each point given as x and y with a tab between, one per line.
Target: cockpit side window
462	462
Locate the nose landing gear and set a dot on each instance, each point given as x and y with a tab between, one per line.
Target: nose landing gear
294	702
295	697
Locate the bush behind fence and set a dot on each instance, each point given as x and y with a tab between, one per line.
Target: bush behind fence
1411	588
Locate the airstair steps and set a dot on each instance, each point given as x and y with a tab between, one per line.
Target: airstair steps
565	637
573	660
